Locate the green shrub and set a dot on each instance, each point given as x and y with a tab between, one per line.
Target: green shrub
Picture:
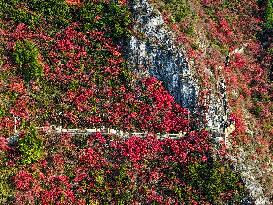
30	146
2	112
88	14
26	56
213	180
120	17
56	12
74	85
269	14
268	126
31	12
207	180
6	172
190	31
6	189
23	16
110	17
179	8
19	15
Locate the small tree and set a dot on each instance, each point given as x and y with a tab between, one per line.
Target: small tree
30	146
26	56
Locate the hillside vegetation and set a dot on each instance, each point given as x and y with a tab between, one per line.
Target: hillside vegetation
62	63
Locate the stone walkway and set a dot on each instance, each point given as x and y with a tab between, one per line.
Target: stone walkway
104	130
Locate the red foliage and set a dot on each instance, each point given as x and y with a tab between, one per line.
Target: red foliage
87	69
23	180
3	144
91	158
73	2
60	188
20	108
17	87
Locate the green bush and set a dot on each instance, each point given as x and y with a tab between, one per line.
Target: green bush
6	189
269	14
179	8
19	15
55	11
213	179
2	112
74	85
26	56
30	146
120	17
31	12
110	17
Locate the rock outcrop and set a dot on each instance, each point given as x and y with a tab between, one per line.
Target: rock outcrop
154	53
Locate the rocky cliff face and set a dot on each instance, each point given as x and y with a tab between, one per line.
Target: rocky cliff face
154	53
158	54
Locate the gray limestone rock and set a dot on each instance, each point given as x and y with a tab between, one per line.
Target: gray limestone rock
156	55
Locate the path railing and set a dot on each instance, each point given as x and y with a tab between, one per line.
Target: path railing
104	130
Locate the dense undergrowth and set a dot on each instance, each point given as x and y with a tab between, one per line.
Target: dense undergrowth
62	64
232	40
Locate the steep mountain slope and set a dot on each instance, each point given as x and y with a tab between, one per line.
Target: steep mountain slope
116	64
222	42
